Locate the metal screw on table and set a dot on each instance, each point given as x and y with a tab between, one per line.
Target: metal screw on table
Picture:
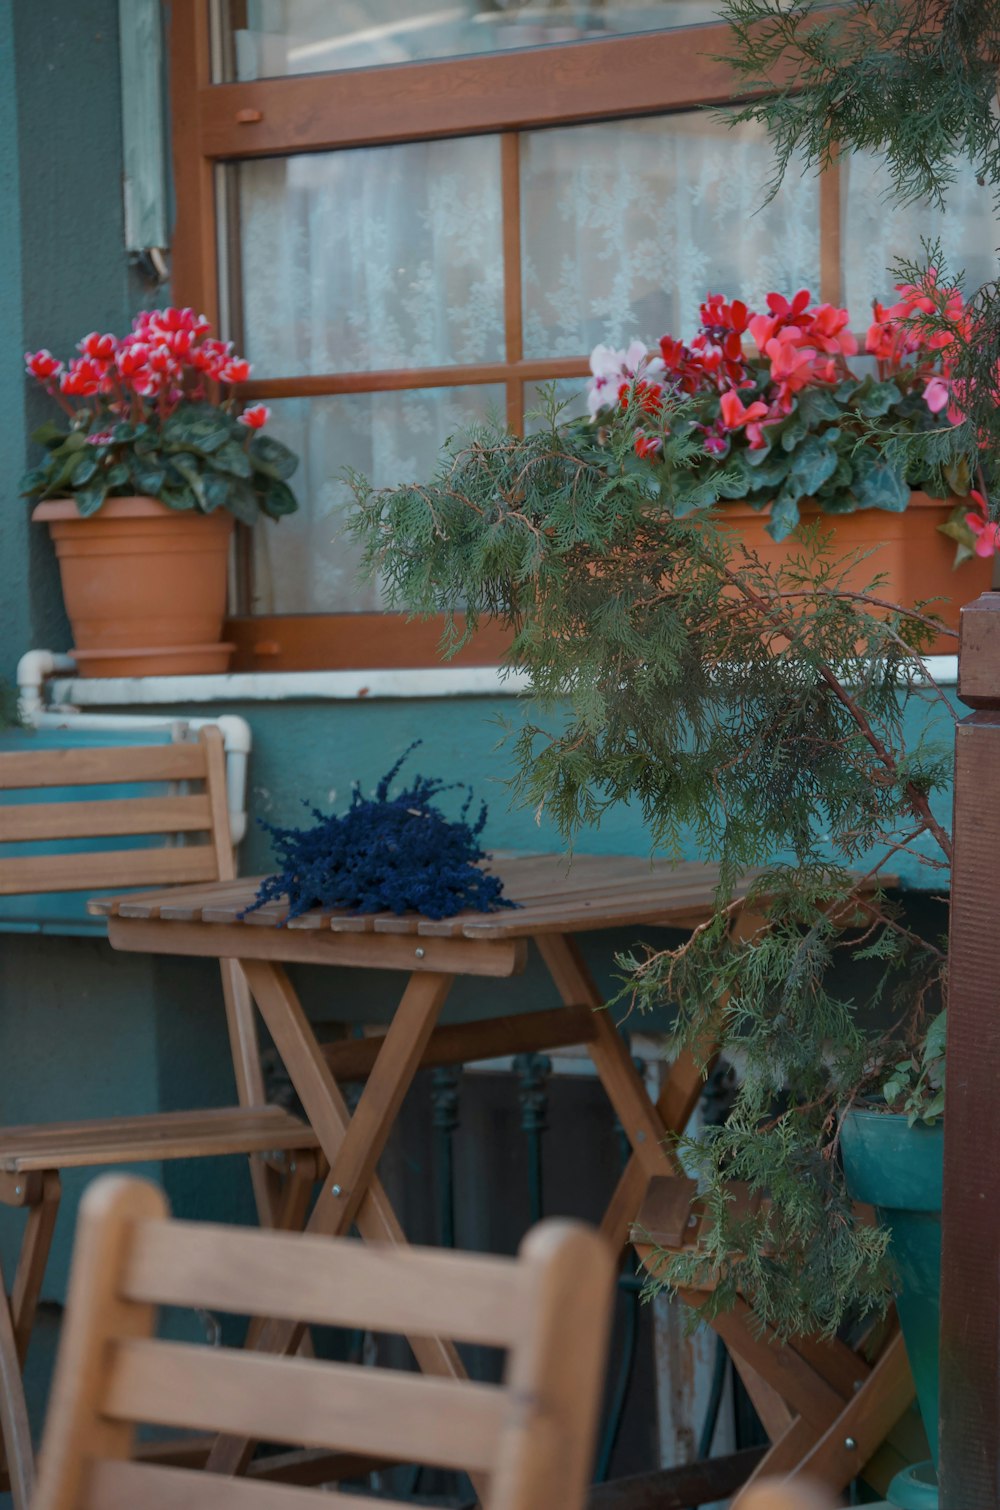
850	1444
419	953
337	1190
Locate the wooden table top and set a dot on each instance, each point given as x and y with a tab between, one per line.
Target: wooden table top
553	895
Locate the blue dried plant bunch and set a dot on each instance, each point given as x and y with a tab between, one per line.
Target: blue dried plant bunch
386	854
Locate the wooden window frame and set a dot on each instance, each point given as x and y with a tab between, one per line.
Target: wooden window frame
502	94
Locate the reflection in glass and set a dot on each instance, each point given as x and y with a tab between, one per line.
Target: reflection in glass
380	257
627	225
307	563
876	232
271	38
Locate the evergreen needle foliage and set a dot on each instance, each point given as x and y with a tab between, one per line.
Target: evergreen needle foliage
915	83
385	854
758	714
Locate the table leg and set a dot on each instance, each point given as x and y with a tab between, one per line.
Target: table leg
645	1124
352	1154
245	1050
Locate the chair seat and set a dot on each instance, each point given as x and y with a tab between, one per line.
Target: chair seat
165	1135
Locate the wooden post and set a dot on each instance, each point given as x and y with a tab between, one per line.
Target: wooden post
970	1289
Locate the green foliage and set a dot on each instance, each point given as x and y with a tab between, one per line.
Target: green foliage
758	715
861	445
916	1085
199	458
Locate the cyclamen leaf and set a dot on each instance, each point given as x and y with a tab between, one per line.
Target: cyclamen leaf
50	434
89	499
271	457
784	514
242	501
279	500
818	404
875	399
882	487
232	458
83	471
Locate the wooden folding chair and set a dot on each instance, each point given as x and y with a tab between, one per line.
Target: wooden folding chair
529	1439
185	835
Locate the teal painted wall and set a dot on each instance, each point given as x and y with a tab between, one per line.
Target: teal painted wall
313	752
63	266
80	1028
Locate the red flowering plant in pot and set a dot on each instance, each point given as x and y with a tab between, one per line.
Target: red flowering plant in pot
140	485
764	413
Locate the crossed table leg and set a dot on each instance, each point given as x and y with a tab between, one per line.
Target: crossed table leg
814	1397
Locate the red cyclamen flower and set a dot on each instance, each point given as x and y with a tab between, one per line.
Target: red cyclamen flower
256	416
236	370
82	378
42	364
100	348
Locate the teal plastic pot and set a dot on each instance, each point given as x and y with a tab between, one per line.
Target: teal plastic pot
900	1171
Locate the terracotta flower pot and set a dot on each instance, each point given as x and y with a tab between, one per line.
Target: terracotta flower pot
917	559
144	586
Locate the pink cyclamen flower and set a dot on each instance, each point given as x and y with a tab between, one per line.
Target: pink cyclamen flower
987	535
256	416
42	364
937	394
986	532
735	415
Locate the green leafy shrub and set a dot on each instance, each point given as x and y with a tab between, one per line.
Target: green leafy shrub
758	715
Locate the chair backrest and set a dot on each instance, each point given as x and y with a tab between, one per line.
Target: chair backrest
531	1435
199	815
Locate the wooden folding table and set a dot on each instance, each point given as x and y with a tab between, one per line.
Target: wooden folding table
555	902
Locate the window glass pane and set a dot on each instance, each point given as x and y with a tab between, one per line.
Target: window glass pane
270	38
380	257
306	563
627	225
876	232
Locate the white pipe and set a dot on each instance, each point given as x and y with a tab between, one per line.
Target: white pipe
32	669
237	738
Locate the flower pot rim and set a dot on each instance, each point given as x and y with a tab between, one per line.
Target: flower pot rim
136	506
810	510
872	1113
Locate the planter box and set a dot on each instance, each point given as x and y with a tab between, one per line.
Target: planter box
917	560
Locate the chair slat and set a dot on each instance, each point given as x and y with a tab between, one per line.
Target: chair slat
405	1417
420	1292
105	868
22	770
94	820
170	1135
126	1486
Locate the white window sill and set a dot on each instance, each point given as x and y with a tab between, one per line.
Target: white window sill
286	686
322	686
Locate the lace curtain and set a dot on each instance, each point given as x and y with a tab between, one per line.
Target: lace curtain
391	257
